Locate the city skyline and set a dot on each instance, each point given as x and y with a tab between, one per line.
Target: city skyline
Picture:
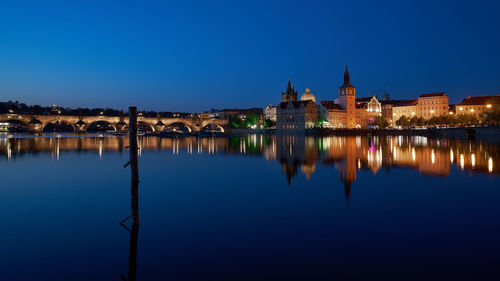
195	56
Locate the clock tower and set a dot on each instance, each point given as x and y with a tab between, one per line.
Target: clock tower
347	99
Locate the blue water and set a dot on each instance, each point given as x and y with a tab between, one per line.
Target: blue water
228	213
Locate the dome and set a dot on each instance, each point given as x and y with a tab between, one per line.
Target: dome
307	96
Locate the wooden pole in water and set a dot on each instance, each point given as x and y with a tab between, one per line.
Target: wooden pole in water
134	164
134	188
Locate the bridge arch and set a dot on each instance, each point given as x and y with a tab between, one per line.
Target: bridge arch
212	126
178	126
57	125
143	126
100	126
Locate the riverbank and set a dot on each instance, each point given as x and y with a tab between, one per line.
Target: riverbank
487	133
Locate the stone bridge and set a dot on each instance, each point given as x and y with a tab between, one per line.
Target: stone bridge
36	123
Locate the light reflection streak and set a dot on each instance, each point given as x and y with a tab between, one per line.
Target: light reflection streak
325	150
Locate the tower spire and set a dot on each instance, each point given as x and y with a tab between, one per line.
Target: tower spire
290	94
347	78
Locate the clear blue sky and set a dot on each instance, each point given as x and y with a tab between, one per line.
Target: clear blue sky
195	55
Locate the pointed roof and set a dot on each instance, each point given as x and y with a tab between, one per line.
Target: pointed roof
347	79
290	89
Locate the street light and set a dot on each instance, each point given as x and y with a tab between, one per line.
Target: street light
488	106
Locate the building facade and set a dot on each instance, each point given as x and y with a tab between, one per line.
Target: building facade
295	116
477	105
404	108
347	111
432	105
270	113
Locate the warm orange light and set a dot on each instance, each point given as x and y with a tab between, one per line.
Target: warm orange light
460	108
451	113
472	110
488	106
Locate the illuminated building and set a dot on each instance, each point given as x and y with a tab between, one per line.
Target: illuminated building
270	113
295	116
347	100
431	105
477	105
407	108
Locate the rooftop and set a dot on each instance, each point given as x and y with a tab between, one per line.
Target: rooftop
432	95
331	105
481	100
406	103
296	104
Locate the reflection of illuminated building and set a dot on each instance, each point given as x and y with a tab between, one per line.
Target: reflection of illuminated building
348	170
295	153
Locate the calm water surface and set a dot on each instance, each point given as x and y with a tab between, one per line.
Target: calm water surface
251	208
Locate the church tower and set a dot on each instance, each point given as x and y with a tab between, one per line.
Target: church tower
347	99
290	94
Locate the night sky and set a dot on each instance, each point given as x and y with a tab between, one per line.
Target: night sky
197	55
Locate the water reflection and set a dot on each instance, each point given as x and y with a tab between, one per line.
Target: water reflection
295	153
188	222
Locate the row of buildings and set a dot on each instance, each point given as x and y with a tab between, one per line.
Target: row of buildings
347	111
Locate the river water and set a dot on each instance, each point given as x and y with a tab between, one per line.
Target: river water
250	208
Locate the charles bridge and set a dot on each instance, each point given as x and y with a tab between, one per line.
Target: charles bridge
36	123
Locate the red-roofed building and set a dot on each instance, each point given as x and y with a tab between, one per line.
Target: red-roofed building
478	105
433	104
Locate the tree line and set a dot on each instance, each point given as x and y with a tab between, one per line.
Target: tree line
22	108
486	118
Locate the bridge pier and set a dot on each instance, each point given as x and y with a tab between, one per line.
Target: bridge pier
80	129
120	126
158	128
35	128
